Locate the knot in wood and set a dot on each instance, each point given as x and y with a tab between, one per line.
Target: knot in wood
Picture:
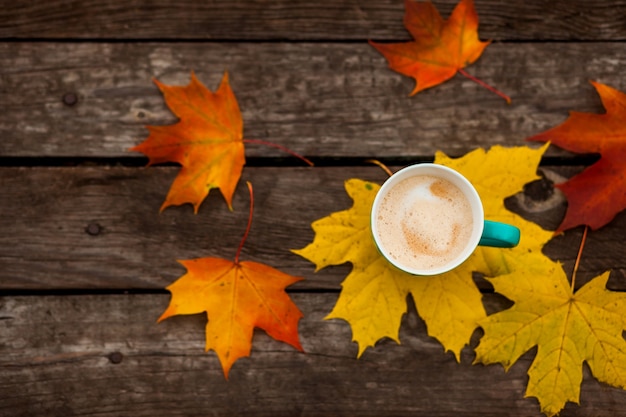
69	99
116	358
93	229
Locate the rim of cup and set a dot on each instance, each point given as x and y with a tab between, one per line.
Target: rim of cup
457	179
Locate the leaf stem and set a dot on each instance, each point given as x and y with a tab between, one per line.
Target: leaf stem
380	165
245	235
580	252
282	148
484	84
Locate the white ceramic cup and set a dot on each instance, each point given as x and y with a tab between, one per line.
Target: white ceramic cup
483	232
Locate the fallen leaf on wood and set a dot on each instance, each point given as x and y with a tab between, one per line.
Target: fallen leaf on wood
373	296
237	297
207	142
597	194
497	174
440	48
568	328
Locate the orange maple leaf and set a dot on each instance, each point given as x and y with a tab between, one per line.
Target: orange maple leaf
597	194
237	297
440	48
207	142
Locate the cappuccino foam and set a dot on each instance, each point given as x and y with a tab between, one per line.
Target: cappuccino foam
424	222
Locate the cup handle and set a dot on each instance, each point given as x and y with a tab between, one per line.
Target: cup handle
499	235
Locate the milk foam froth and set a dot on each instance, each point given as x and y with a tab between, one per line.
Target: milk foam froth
424	222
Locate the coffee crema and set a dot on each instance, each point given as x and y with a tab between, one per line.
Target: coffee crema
424	222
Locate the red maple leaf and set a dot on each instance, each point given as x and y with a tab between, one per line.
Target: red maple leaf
597	194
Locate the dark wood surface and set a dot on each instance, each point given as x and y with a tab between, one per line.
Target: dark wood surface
107	233
85	255
106	355
319	99
296	20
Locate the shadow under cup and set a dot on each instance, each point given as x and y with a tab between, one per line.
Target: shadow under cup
500	234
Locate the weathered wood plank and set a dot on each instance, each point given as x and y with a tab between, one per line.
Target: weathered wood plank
318	99
99	227
327	19
80	355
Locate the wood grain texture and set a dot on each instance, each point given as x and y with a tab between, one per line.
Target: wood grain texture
75	88
299	20
320	100
99	227
106	355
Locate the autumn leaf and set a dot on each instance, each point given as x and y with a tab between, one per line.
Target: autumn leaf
237	297
567	328
497	174
596	195
373	296
439	48
207	142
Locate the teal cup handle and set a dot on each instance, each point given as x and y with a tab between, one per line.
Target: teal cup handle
499	235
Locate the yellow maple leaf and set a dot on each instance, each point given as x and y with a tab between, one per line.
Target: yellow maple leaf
373	296
568	329
496	175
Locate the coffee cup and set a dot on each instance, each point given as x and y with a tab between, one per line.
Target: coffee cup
427	219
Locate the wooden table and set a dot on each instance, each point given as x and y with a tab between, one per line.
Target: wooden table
85	255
